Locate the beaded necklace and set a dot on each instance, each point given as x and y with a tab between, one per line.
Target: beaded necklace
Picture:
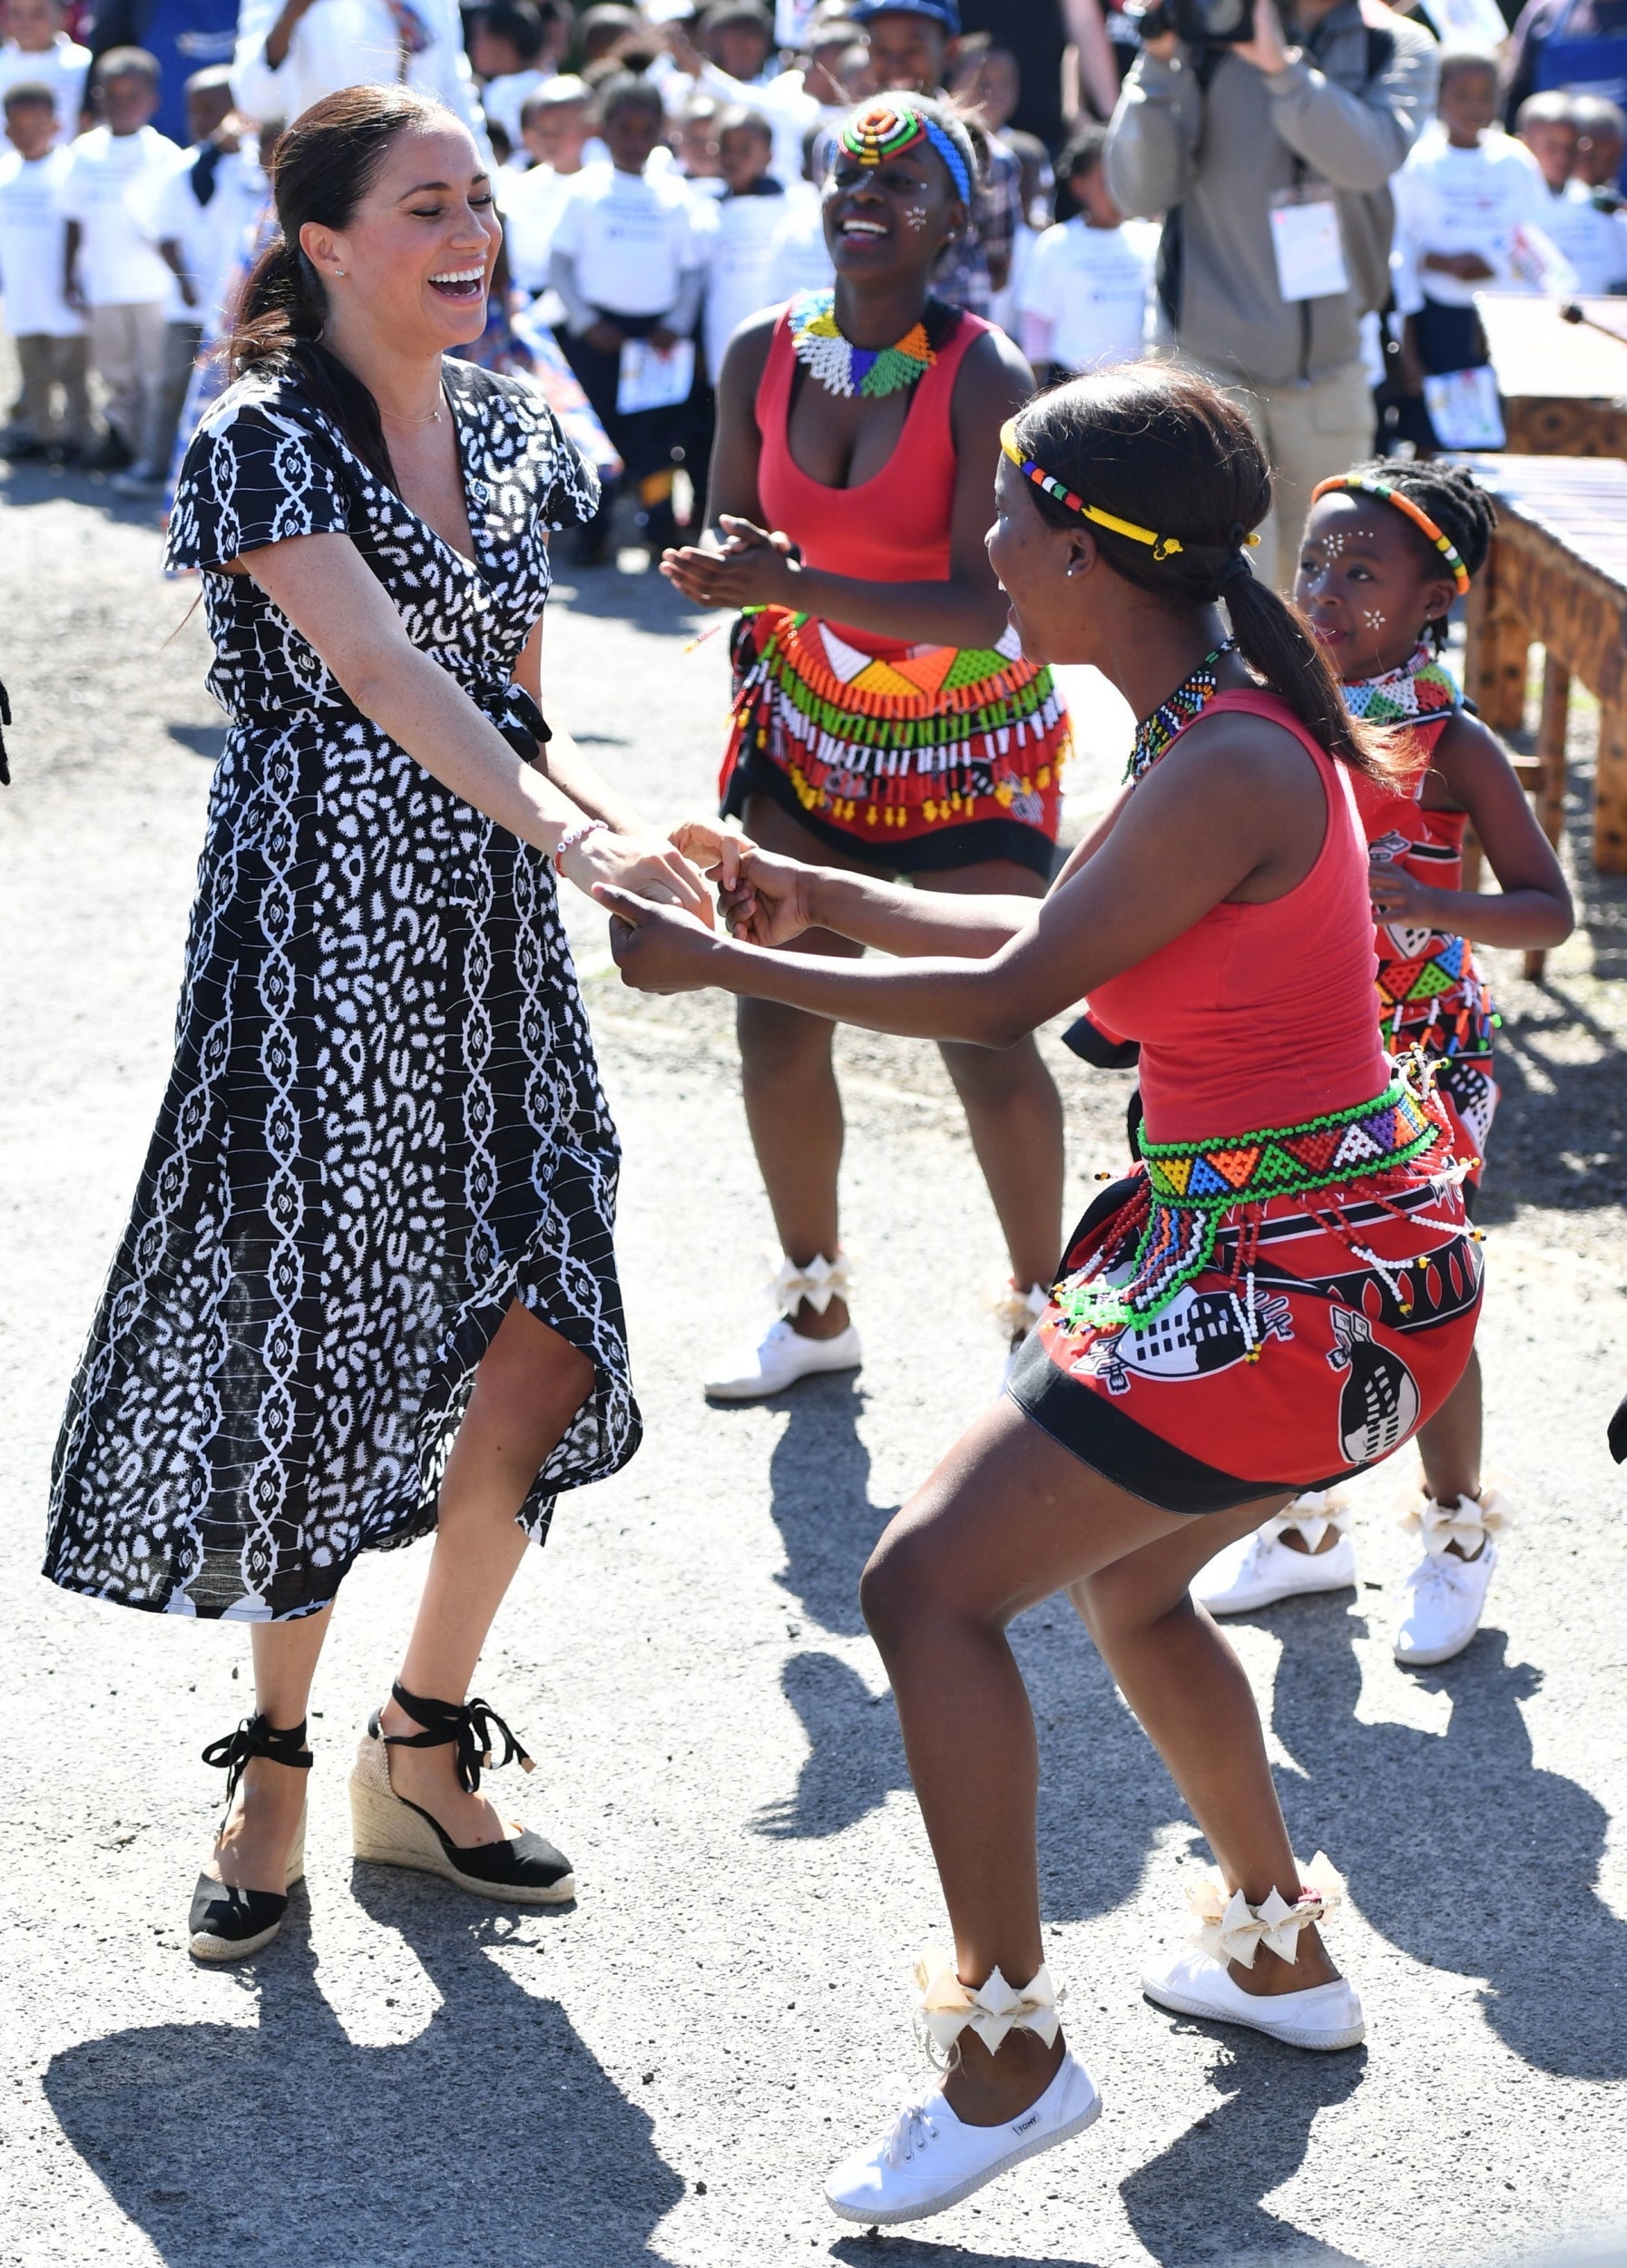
1154	734
840	366
1422	687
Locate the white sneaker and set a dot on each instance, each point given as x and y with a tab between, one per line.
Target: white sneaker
927	2160
779	1360
1449	1598
1326	2017
1262	1569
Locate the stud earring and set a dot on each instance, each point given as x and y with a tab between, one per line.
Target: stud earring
338	271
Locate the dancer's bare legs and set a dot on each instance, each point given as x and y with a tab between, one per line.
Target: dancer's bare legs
1008	1518
794	1108
528	1387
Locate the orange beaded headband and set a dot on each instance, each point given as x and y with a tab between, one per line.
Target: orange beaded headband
1368	484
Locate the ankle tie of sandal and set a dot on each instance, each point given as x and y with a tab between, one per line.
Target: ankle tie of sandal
1230	1928
945	2008
467	1725
257	1736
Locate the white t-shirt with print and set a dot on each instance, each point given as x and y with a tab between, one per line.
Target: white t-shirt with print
111	184
739	248
1588	238
32	232
62	68
631	235
531	204
1462	200
1093	286
210	236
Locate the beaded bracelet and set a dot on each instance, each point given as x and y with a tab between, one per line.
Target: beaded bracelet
578	834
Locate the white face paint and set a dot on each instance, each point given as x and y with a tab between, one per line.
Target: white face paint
1374	620
914	215
1332	545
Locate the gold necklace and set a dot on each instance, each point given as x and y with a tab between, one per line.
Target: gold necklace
434	418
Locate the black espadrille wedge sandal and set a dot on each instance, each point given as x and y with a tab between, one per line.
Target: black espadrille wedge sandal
526	1869
227	1923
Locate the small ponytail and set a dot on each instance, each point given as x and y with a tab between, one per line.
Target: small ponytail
326	162
1161	449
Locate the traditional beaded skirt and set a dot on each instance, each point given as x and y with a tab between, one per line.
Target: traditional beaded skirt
1271	1311
917	758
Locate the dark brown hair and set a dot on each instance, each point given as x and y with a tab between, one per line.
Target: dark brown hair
1461	509
326	162
1167	451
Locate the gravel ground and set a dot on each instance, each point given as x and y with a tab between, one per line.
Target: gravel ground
663	2071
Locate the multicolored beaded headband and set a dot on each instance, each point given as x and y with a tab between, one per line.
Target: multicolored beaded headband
1164	546
886	130
1366	484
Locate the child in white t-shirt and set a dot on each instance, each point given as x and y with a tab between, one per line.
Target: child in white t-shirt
1085	295
512	47
48	335
1585	237
112	268
627	265
554	123
742	243
37	52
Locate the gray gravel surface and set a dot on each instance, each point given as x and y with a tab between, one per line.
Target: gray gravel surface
663	2071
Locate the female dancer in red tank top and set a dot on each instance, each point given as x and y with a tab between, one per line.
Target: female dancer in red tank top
885	718
1282	1291
1386	550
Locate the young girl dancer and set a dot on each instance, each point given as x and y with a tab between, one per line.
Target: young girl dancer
1388	548
368	1288
884	717
1280	1294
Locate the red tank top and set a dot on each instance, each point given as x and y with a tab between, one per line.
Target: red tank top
892	528
1261	1016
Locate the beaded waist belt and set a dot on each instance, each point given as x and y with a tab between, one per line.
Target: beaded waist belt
1189	1186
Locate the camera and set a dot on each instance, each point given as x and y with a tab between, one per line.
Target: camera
1201	22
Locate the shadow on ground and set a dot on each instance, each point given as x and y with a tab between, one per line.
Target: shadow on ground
284	2141
1458	1846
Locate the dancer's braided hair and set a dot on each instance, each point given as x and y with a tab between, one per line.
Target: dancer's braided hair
1464	513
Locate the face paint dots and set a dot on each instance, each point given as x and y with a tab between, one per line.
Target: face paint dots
1332	545
1372	616
915	217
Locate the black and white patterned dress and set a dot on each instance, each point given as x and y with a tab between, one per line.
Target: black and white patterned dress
384	1123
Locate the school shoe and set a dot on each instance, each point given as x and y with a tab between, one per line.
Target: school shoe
778	1360
1197	1982
1327	2017
927	2159
227	1923
524	1869
784	1355
1258	1570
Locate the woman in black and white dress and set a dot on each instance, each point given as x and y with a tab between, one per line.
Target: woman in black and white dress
368	1288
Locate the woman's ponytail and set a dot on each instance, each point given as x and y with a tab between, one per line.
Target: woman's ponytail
282	302
1275	643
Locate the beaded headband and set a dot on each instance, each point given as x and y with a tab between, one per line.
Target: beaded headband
886	130
1367	485
1164	546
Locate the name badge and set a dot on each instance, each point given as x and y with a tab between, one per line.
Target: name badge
1310	258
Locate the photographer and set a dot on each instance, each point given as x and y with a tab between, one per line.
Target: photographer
1268	157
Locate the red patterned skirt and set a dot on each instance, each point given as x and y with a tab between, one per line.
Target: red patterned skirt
1308	1334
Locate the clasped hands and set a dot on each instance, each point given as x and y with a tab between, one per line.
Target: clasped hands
667	947
752	567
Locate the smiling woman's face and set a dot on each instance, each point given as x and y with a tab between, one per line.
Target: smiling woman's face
415	262
889	219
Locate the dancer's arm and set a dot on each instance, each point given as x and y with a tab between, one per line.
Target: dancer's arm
755	567
1470	771
342	609
1233	814
775	899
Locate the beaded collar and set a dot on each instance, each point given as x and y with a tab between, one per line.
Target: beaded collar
1422	687
841	367
1190	699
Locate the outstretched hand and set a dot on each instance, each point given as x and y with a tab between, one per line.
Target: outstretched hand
753	567
771	901
658	948
715	846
